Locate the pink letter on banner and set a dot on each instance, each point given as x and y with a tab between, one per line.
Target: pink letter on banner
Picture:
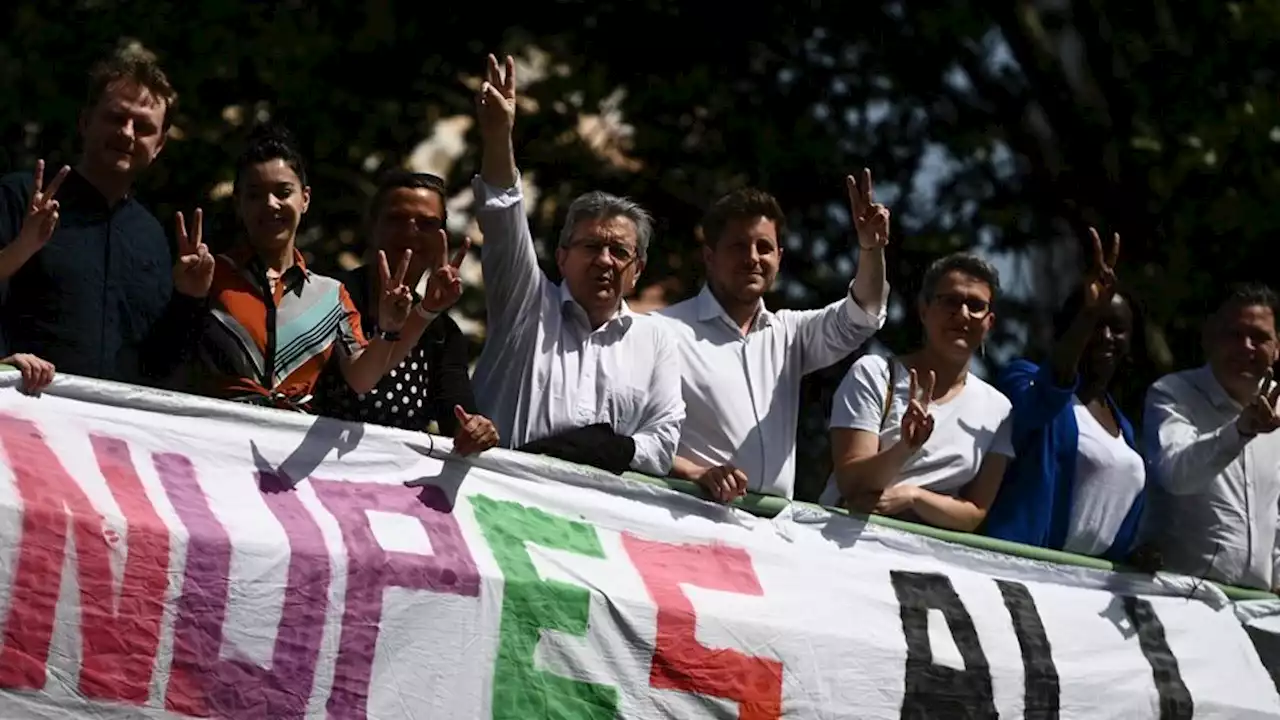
203	684
119	634
371	569
680	662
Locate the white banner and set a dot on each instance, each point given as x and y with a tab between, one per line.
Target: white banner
164	555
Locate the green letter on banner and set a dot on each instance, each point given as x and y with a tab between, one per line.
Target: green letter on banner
530	605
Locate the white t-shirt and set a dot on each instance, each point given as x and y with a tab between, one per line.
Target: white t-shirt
965	428
1109	476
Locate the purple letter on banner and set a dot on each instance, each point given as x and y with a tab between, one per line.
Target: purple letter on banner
203	684
371	569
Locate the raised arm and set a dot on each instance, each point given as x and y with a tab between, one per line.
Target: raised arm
508	259
38	221
831	333
1185	459
659	430
862	468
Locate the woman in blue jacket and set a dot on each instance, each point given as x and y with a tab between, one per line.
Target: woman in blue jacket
1078	482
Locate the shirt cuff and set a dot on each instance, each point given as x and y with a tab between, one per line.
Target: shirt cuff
495	198
873	317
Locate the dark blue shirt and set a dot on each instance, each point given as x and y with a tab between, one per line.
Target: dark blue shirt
97	299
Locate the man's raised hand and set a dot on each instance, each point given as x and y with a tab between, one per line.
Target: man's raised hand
193	273
870	218
42	212
444	285
1260	417
1101	281
496	102
917	423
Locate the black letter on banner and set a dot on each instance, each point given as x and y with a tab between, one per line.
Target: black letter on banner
1175	699
1267	645
937	691
1037	655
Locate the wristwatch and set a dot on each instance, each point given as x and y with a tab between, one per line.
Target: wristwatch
390	335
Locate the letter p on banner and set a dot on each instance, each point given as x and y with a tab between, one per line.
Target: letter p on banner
680	662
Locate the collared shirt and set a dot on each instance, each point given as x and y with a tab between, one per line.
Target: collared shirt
93	300
742	393
544	370
1215	505
274	343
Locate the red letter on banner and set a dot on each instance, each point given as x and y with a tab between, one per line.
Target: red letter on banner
679	661
119	635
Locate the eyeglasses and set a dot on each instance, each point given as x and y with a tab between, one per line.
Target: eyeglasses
977	307
618	251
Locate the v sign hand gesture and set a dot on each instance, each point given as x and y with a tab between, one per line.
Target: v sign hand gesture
496	103
1101	281
42	212
917	423
444	286
870	218
396	299
193	273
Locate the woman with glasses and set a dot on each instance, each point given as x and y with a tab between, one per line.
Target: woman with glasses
407	223
1078	483
919	437
273	325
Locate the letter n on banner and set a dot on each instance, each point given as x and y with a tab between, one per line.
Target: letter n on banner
200	682
933	690
371	569
119	633
531	605
680	662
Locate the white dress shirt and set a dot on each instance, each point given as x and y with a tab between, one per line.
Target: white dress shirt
742	393
1214	504
543	369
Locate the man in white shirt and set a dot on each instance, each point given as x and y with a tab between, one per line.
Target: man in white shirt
1211	442
568	370
742	364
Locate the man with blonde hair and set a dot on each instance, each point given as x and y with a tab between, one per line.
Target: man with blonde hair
90	290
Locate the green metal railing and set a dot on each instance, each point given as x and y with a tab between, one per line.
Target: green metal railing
769	506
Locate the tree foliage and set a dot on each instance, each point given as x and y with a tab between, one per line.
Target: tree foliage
1010	127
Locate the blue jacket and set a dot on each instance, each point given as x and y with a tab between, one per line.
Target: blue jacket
1034	503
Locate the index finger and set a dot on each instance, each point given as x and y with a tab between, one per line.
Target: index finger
1114	256
384	272
912	385
929	383
57	182
1098	261
461	255
184	244
39	179
403	267
509	84
868	193
197	232
855	197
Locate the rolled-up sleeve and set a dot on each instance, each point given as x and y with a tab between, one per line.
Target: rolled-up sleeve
829	334
1185	459
659	432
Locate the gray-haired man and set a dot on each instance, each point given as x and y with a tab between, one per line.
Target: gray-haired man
567	369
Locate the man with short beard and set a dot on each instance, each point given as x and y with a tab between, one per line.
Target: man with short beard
568	370
742	364
90	286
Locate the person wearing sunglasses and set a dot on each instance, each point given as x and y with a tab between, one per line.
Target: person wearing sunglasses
1078	483
919	436
407	218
